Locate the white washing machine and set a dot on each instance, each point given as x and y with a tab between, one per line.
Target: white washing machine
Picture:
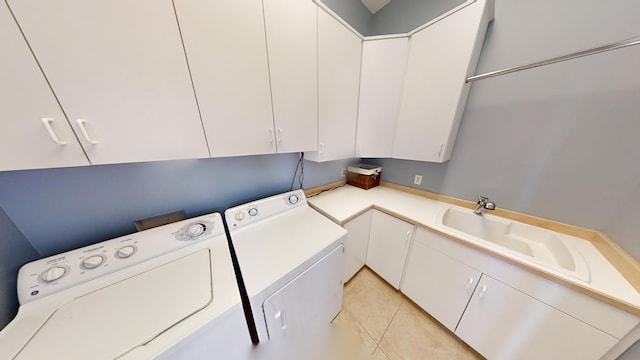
167	292
291	259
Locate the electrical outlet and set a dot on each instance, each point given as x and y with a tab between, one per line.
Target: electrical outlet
343	172
417	180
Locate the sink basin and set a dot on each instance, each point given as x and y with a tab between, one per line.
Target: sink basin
542	246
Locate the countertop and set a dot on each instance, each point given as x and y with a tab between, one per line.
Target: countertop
343	203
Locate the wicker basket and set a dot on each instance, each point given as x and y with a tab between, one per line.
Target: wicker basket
364	176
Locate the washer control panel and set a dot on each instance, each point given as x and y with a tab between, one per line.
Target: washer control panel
59	272
246	214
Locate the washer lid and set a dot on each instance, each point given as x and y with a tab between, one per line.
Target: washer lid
111	321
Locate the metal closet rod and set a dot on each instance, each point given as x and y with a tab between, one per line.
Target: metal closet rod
575	55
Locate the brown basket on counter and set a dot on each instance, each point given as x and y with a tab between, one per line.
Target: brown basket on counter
364	176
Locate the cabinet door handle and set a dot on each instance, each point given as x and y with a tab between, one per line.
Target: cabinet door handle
321	148
47	125
270	136
279	136
469	283
408	237
483	289
84	132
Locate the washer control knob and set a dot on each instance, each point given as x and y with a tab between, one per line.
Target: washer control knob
253	211
239	216
125	251
293	199
92	262
53	274
195	230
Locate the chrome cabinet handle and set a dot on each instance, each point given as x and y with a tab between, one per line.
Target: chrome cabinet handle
84	132
483	289
52	134
270	136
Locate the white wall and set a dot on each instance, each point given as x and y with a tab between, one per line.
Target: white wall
561	141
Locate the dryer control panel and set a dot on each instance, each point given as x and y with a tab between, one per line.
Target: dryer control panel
60	272
258	210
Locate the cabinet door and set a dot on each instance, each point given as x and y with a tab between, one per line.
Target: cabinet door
312	298
438	283
382	75
503	323
120	73
292	46
356	245
227	51
440	57
388	246
339	52
28	106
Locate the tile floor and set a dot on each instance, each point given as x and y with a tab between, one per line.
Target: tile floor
392	327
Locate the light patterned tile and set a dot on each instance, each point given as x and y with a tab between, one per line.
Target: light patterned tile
415	335
346	322
372	302
379	355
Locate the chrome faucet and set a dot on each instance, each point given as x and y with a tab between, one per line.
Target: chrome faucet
483	204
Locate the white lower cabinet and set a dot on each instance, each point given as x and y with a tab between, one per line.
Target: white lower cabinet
502	311
388	246
355	247
503	323
438	283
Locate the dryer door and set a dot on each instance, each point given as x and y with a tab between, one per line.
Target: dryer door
111	321
313	297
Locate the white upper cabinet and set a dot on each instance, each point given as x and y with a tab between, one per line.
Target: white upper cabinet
382	75
34	132
227	53
292	47
339	51
435	92
119	71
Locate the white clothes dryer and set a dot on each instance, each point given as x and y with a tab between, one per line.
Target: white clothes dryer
291	259
168	292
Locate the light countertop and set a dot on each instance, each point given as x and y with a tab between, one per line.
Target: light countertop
345	203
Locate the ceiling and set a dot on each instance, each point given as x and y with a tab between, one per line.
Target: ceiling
375	5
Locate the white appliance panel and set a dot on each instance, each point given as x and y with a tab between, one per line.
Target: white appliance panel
280	245
308	299
98	325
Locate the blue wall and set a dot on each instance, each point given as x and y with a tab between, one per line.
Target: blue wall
559	141
402	16
353	12
62	209
15	250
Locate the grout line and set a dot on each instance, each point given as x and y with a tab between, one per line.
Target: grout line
389	325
